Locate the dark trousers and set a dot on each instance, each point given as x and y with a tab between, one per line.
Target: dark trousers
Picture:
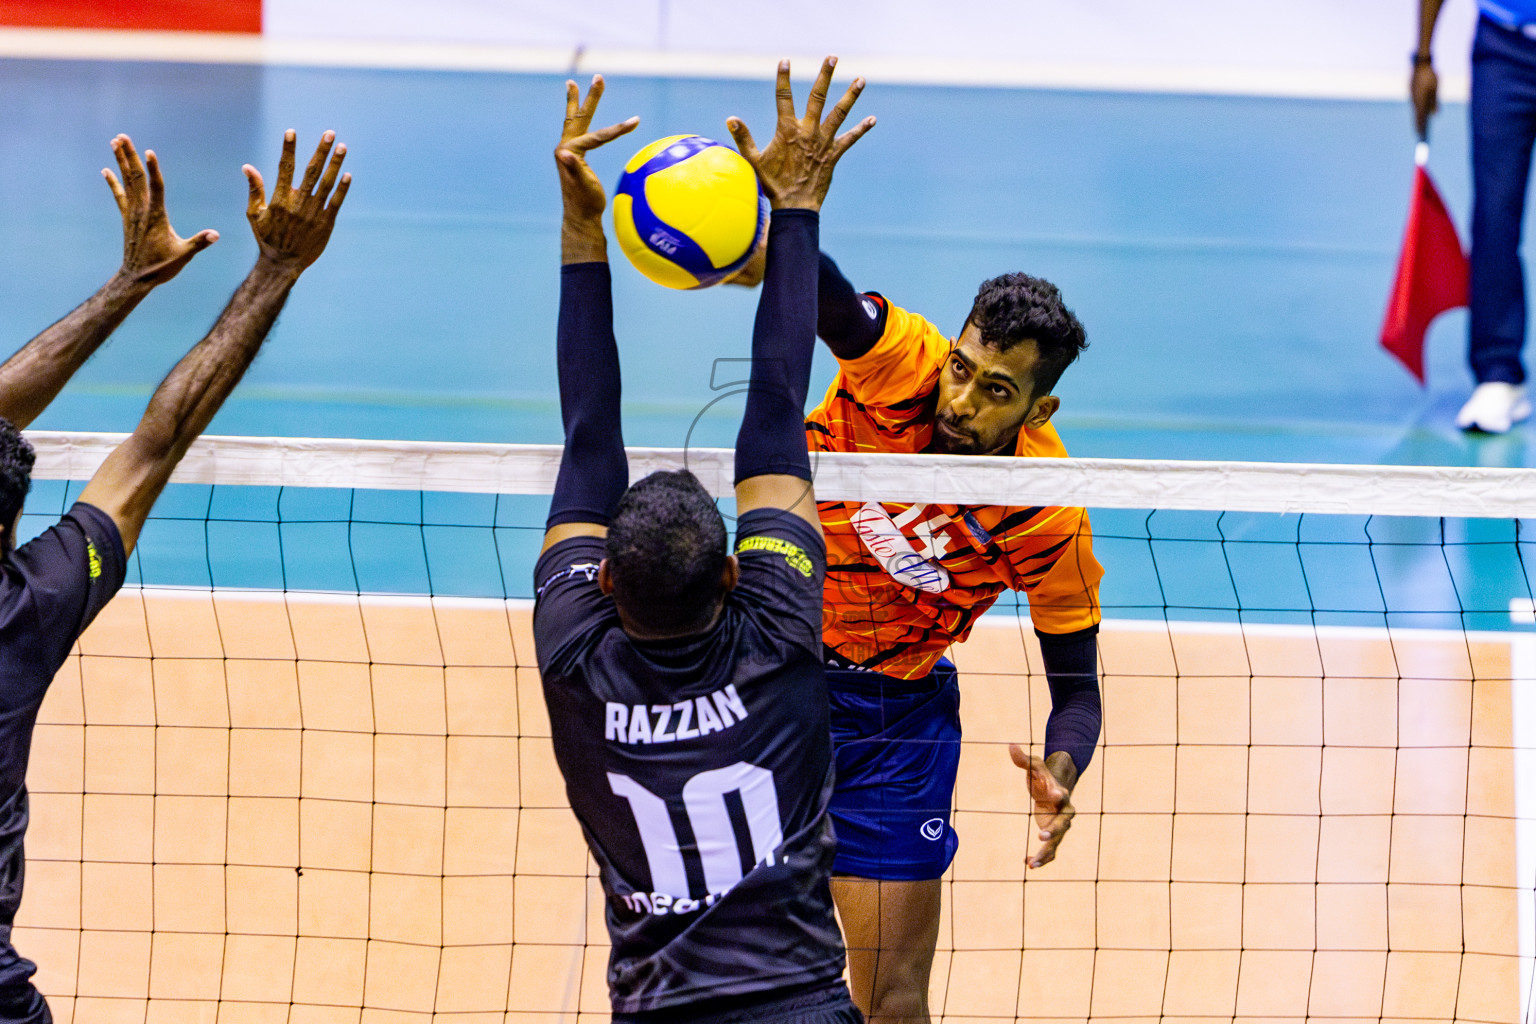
1503	132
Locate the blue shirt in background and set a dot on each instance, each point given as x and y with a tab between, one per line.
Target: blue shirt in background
1509	13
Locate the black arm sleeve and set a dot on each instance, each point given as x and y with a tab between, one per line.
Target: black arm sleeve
593	469
1072	673
772	436
847	321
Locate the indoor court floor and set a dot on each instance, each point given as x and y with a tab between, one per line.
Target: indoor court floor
1281	824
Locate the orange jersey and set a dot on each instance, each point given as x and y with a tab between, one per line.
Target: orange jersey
905	581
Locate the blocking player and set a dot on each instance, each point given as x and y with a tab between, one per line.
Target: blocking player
685	687
152	254
54	585
906	581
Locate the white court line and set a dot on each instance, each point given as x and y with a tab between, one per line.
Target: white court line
232	48
1522	686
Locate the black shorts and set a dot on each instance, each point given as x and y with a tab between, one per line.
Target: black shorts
825	1004
20	1001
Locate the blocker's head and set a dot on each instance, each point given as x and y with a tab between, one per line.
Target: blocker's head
16	459
1016	343
667	567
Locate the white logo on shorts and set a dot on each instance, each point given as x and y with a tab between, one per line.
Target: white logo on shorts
932	829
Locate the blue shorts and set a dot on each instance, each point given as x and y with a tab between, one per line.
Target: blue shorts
897	745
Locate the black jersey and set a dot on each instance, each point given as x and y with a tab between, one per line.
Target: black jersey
50	590
700	771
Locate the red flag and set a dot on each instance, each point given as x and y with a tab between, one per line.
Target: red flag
1431	275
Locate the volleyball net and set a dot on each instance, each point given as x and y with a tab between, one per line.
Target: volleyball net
300	769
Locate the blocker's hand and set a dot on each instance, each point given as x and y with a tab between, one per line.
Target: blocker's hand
294	227
1053	804
153	252
579	186
796	167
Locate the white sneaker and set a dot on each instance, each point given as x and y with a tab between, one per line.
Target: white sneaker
1494	407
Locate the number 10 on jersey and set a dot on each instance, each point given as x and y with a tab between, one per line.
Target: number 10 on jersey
708	815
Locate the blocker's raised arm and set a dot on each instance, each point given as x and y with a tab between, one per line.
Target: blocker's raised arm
291	229
152	254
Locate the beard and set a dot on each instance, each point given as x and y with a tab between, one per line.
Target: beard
950	440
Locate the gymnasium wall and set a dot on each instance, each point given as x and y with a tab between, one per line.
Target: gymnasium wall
1353	48
1361	35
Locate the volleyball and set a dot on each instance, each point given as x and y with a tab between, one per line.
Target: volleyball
688	211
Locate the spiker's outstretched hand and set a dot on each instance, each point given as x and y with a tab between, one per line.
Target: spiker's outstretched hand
796	167
153	252
293	228
1053	804
579	185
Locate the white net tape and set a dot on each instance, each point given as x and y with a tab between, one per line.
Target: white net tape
1454	491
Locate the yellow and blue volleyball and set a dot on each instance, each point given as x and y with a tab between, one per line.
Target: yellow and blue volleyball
688	211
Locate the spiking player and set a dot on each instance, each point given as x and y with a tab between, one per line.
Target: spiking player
53	586
906	581
685	686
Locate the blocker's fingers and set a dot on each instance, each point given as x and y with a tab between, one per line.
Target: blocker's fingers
603	136
852	135
128	155
819	90
594	93
130	165
285	165
332	169
1021	758
742	136
613	131
573	123
784	93
156	182
117	190
316	162
257	201
203	239
841	108
337	197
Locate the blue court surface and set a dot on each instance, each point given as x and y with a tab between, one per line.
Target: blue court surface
1229	256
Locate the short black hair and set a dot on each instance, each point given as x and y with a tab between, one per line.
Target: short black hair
16	459
1017	307
666	553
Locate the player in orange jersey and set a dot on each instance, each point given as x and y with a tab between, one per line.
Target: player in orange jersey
905	581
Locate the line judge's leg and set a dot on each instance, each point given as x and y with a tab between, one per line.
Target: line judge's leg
1503	115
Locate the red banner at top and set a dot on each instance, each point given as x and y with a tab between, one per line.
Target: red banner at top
158	15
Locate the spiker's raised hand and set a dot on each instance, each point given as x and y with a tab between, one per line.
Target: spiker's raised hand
153	252
796	167
293	228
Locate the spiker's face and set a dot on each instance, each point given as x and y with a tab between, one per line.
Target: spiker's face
986	396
